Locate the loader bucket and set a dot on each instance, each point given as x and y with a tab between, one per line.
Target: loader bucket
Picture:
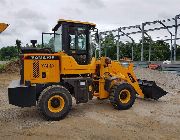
3	26
151	90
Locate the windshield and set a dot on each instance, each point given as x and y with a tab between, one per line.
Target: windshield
48	40
53	40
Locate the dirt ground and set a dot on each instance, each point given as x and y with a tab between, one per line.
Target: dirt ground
147	119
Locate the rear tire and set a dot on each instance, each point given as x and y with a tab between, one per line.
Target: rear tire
122	96
55	102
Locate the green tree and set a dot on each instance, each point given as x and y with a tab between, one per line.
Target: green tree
148	42
8	53
159	50
126	50
137	51
109	46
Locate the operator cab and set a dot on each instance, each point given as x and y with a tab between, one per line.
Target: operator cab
72	37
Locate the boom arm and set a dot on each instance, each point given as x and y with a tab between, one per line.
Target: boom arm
125	74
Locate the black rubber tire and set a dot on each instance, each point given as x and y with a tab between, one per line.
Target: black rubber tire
114	96
49	92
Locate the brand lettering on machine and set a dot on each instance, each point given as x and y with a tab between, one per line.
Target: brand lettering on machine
42	57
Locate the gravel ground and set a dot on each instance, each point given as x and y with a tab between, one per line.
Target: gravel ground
147	119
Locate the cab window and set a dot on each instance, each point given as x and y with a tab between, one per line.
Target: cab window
77	38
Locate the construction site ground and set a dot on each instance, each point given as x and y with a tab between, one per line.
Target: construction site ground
96	120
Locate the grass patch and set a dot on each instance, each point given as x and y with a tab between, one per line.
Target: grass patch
2	67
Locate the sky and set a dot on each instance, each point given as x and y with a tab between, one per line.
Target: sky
29	18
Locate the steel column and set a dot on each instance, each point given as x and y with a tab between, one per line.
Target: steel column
132	53
171	58
99	46
171	38
118	45
176	17
142	47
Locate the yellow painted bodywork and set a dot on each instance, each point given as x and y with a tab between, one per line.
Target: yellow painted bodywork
70	66
75	21
116	69
128	96
66	65
3	26
103	94
50	67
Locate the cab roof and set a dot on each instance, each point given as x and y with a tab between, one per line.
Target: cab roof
75	21
60	21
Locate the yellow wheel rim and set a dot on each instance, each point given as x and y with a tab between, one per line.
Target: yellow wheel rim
124	96
56	103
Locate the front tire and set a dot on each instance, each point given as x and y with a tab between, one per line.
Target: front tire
55	102
122	96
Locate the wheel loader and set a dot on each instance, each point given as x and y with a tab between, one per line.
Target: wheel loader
64	69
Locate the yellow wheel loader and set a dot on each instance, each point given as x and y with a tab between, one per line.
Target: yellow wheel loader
64	68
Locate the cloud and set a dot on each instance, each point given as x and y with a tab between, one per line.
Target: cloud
28	18
40	26
93	3
72	11
3	2
25	24
29	14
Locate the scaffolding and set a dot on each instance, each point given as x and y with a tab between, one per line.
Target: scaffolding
142	29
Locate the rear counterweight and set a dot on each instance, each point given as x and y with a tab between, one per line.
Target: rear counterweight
22	96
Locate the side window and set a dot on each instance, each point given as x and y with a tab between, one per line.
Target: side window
48	40
77	38
58	40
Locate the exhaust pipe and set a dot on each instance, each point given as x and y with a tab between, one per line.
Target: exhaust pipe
151	90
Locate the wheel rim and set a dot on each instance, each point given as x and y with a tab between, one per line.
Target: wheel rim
124	96
56	103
